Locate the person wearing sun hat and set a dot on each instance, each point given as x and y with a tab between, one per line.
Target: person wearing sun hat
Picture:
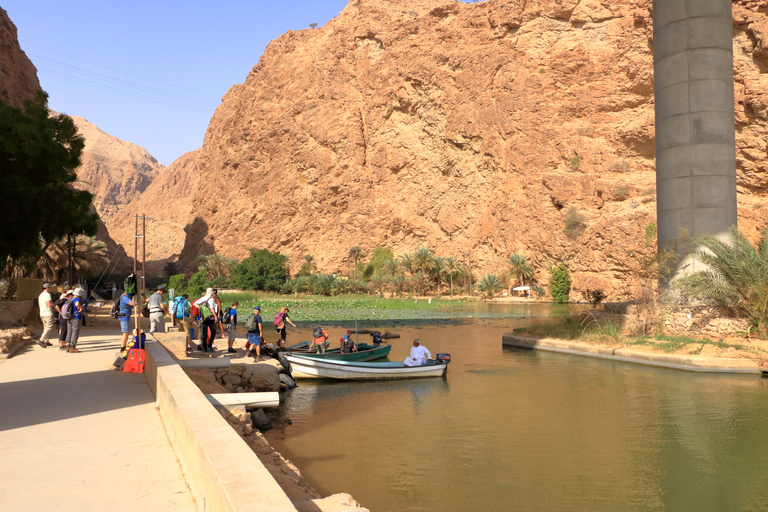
46	315
62	323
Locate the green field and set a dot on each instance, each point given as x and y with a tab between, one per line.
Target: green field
372	310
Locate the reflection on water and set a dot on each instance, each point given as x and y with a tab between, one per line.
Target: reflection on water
511	429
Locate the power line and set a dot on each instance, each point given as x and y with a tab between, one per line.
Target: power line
81	75
118	70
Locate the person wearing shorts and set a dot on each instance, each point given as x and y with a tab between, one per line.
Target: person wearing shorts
255	338
232	327
125	310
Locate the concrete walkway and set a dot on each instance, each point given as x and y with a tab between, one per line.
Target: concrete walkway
77	435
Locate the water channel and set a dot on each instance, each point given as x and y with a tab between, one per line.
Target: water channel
512	429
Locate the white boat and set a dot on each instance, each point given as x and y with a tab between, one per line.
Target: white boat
250	400
311	368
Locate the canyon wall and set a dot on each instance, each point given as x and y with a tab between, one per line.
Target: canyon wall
483	129
18	76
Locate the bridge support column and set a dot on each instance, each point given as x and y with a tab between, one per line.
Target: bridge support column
695	134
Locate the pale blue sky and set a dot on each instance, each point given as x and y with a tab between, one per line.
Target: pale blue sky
152	72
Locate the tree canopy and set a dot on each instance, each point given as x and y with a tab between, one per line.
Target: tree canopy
262	270
39	156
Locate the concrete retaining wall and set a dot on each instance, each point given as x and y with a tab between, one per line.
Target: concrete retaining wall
689	363
223	472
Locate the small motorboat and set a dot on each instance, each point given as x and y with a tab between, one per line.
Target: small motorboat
304	367
365	352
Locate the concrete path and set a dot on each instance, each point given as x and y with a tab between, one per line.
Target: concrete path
77	435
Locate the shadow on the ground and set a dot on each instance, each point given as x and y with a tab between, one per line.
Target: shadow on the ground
38	401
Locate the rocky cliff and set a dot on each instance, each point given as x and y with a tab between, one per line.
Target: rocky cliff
18	76
475	130
113	170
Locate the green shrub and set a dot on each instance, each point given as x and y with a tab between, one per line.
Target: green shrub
262	270
575	162
620	193
574	223
559	283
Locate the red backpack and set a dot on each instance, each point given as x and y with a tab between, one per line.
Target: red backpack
278	319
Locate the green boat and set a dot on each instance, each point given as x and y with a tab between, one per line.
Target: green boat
365	352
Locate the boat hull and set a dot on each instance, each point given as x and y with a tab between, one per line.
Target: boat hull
367	354
310	368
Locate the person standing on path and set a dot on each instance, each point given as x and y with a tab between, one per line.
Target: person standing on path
231	326
255	333
73	324
280	327
62	323
207	305
125	310
157	310
46	315
219	312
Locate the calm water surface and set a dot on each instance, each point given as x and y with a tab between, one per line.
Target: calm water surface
510	429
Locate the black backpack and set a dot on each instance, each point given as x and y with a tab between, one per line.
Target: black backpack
115	311
317	332
227	316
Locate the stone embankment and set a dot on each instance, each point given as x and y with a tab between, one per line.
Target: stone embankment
689	362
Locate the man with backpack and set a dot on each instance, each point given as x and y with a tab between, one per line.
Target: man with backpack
157	310
72	312
255	333
124	311
207	307
62	323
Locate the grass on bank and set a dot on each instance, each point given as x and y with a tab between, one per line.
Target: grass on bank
607	331
344	308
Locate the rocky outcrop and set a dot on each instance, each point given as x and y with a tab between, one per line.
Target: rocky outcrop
113	170
476	130
464	128
18	76
172	227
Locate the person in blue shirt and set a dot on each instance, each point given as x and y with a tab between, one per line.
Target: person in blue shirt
125	310
73	324
232	326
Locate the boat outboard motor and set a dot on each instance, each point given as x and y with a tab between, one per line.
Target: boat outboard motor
376	338
443	358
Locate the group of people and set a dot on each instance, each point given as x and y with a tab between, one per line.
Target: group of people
67	313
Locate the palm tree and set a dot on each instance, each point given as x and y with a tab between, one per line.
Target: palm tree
419	282
438	266
216	265
398	284
170	268
89	258
424	260
737	277
490	285
449	267
390	268
355	253
519	270
408	263
377	282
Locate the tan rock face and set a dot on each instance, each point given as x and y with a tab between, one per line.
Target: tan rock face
18	76
463	128
113	170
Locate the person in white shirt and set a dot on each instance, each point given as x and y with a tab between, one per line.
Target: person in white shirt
419	355
207	324
46	315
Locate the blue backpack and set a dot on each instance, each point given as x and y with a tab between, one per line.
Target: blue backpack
180	307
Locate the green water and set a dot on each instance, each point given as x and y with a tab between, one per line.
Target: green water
510	429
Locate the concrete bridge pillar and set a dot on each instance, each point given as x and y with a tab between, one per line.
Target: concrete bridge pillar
695	134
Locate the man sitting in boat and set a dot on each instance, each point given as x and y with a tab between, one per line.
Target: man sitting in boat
347	345
319	335
419	355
